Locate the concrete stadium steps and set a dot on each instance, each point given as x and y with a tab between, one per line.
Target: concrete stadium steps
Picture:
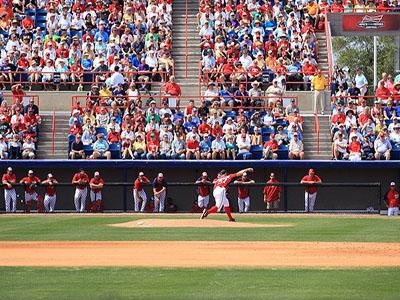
60	138
322	51
310	138
189	84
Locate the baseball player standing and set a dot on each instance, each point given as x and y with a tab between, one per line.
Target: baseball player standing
80	180
272	194
244	193
10	195
159	192
96	185
221	184
310	195
30	182
139	195
50	193
392	200
203	184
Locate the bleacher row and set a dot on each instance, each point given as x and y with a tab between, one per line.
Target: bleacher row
177	124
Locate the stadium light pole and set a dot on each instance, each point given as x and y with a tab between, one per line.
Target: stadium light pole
375	62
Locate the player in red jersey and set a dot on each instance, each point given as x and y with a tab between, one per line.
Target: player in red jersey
310	195
10	195
139	195
96	185
50	194
272	194
80	181
203	184
30	182
244	193
392	200
221	184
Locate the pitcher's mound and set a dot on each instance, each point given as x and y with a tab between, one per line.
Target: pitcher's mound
191	223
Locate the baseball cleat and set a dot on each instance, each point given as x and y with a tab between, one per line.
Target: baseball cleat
203	214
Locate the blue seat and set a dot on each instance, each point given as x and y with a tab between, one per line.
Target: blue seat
265	137
256	151
395	154
101	130
230	114
283	154
30	12
115	149
88	150
267	130
41	12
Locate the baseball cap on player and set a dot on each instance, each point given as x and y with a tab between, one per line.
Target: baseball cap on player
9	169
160	175
141	174
96	174
392	184
30	172
204	174
272	175
50	175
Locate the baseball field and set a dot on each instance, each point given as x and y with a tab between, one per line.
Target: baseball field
178	256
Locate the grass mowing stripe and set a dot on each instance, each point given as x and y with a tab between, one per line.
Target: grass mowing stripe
151	283
75	228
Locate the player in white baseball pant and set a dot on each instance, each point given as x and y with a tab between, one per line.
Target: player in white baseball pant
80	199
49	202
31	197
309	201
95	196
244	204
140	199
159	201
202	201
10	197
221	200
393	211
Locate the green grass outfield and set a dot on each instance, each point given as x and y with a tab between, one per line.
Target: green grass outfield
201	283
149	283
95	228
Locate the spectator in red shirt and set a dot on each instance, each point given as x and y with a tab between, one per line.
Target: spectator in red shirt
382	92
27	23
113	136
309	71
354	149
152	146
192	148
270	148
336	7
204	127
76	128
173	89
338	118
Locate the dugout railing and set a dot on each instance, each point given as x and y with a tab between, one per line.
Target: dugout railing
355	197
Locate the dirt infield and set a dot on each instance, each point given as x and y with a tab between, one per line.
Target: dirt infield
200	254
206	223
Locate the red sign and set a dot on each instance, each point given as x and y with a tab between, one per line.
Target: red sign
371	22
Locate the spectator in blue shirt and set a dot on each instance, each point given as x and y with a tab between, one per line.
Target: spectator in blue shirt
100	148
205	147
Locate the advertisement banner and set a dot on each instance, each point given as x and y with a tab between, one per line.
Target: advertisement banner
371	22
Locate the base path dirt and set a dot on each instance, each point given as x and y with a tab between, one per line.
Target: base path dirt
163	223
199	254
